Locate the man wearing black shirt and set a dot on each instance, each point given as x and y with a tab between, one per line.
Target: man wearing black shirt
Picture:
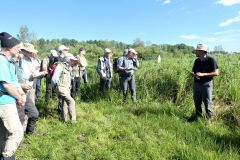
203	71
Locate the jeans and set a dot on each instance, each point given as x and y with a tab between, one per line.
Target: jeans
84	75
75	86
202	92
128	83
37	87
105	84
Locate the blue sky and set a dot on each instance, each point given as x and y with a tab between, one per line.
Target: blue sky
213	22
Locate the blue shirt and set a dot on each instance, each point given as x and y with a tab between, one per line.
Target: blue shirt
207	66
7	75
126	63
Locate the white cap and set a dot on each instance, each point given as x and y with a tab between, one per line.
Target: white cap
70	56
107	50
132	50
53	53
62	47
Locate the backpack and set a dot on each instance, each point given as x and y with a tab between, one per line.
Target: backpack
115	60
115	63
53	67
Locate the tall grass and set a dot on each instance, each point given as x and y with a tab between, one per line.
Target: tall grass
153	128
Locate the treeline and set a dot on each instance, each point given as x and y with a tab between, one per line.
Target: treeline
95	48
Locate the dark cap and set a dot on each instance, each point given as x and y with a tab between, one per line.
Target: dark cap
82	49
7	40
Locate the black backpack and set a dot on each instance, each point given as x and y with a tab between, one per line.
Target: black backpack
115	60
115	63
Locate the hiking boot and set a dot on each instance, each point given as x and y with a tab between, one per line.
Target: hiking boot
193	118
7	158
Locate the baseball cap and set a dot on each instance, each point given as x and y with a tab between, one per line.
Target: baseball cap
82	49
62	47
107	50
54	53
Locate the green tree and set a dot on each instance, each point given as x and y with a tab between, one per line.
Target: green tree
25	36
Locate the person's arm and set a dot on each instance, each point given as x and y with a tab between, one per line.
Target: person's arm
120	66
15	93
101	71
211	74
135	63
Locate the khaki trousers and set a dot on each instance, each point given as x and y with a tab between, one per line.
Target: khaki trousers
68	104
11	130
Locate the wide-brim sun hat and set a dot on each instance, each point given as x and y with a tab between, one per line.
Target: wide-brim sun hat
132	50
70	56
30	48
202	47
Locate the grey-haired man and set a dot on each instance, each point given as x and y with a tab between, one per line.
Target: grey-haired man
62	79
126	66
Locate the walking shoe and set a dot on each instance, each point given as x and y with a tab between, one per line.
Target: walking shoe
193	118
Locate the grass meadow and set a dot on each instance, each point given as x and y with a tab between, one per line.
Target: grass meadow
154	128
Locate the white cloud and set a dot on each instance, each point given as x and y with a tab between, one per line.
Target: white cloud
217	40
228	2
164	1
227	32
231	21
167	1
206	39
190	37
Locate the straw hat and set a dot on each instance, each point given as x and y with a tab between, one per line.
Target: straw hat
29	47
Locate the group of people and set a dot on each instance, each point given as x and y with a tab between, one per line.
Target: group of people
21	72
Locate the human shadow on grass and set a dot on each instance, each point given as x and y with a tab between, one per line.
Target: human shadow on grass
139	111
227	140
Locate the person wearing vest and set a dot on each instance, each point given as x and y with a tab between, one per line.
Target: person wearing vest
104	69
83	64
11	130
62	79
126	66
203	71
63	51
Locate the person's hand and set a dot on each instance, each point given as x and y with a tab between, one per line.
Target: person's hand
20	101
24	98
199	74
31	77
25	86
103	75
128	69
44	73
195	75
